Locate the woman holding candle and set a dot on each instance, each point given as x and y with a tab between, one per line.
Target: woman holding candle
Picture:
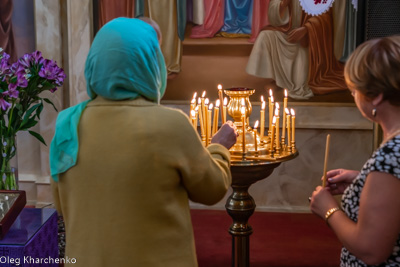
124	167
368	223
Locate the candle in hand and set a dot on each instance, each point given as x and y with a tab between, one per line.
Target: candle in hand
328	138
255	136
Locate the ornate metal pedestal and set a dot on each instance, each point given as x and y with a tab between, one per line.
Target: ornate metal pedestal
240	205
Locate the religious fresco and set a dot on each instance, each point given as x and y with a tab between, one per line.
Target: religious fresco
302	53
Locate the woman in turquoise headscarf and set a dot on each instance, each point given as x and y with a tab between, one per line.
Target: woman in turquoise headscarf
124	167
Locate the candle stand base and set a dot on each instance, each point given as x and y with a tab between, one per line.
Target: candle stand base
240	205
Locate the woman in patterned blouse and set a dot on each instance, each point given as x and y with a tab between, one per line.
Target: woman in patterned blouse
368	221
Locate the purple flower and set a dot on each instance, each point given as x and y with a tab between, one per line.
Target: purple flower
37	57
49	70
21	82
4	64
4	104
12	93
25	60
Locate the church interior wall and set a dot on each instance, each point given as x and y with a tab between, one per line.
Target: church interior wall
64	30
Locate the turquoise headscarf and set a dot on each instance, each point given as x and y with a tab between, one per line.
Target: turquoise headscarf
124	62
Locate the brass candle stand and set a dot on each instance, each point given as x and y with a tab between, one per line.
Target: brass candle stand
252	162
253	158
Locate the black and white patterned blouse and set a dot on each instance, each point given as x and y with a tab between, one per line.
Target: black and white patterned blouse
385	159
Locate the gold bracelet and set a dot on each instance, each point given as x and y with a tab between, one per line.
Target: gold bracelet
330	212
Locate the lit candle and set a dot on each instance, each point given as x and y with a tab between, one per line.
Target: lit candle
271	111
272	134
215	120
285	99
192	105
243	111
205	118
224	110
262	119
221	98
193	117
200	111
277	141
293	127
288	128
209	116
255	136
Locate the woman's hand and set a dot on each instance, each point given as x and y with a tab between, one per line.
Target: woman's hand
339	179
226	135
321	201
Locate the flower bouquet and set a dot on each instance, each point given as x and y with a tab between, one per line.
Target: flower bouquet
21	104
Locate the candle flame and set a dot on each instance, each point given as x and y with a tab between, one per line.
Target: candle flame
199	101
285	92
270	92
287	111
243	110
256	124
277	112
225	101
204	94
292	112
272	99
194	101
217	103
262	99
219	86
206	101
196	108
277	105
210	106
193	113
263	105
195	95
274	120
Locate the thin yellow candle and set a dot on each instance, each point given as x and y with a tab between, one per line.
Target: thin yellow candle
200	111
205	118
215	120
293	126
243	111
208	131
193	117
288	128
255	136
328	138
277	141
284	117
196	115
271	111
262	119
224	110
221	97
272	134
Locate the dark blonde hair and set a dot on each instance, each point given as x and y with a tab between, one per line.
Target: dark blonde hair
374	68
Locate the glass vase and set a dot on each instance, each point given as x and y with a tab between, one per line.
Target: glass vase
9	163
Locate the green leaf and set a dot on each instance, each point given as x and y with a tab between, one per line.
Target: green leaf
38	137
51	103
28	113
30	123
